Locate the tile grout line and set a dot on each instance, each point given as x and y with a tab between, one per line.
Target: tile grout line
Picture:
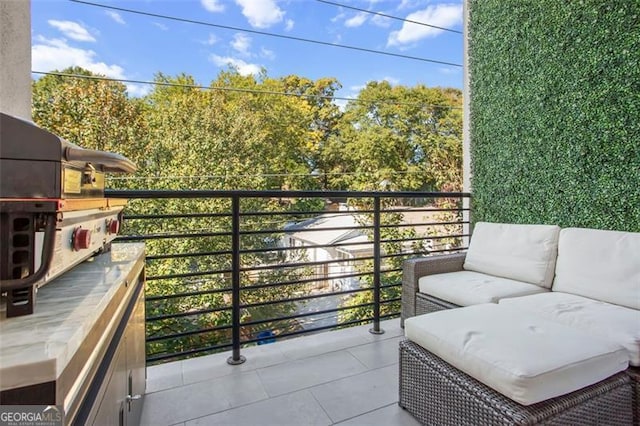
366	412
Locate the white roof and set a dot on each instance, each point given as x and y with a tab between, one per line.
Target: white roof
314	230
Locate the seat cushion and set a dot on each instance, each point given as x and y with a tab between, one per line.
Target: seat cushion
519	252
519	354
613	322
465	288
601	265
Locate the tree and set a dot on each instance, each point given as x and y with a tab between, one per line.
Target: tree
94	114
408	138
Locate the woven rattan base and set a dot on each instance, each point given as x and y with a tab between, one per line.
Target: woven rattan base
426	304
438	394
634	373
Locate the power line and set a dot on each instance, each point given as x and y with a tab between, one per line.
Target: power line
231	89
228	27
229	176
390	16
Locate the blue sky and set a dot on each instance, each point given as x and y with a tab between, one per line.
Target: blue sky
125	45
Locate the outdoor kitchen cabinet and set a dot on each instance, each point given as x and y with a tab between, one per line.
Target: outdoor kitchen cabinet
124	384
83	349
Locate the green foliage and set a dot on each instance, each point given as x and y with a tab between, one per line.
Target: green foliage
183	137
408	138
555	134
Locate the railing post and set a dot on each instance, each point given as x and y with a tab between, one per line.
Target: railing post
235	358
376	267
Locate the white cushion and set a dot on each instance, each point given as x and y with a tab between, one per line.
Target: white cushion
465	288
601	265
519	252
521	355
606	320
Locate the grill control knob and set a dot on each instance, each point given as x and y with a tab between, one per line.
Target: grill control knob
81	239
113	226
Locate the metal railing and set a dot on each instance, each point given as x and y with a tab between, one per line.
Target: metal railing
227	269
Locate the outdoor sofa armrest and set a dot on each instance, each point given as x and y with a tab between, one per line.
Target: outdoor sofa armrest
414	269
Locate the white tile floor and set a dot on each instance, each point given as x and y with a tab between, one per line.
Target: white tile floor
347	377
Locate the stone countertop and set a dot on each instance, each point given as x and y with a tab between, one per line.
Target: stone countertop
36	348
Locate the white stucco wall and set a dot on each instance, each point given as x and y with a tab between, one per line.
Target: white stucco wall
15	58
466	119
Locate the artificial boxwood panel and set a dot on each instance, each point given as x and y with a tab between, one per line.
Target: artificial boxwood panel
555	112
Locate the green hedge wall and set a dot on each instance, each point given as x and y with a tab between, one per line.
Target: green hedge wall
555	112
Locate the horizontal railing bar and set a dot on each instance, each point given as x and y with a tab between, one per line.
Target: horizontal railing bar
282	213
183	255
304	281
438	237
302	264
266	250
174	216
302	298
311	330
297	231
406	225
425	209
188	314
187	333
186	294
183	354
307	314
248	193
170	236
188	274
303	213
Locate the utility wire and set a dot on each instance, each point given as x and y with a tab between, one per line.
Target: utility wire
231	89
229	176
228	27
389	16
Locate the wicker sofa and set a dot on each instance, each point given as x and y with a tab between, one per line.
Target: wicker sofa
503	260
592	292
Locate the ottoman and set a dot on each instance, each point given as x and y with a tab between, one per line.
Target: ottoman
491	364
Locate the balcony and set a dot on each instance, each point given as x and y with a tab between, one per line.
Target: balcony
348	376
243	288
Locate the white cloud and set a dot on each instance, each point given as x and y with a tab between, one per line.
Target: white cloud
261	13
211	40
212	5
73	30
56	54
339	17
341	104
381	21
163	27
241	43
391	80
241	66
138	90
115	16
441	15
289	25
357	20
356	89
266	53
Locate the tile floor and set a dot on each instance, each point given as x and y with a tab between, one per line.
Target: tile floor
346	377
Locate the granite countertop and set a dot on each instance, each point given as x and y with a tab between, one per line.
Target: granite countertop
36	348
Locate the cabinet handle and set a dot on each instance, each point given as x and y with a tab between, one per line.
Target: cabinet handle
130	398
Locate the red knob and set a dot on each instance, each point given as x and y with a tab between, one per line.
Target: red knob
113	226
81	239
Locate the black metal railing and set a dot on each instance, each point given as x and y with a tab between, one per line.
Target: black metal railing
231	268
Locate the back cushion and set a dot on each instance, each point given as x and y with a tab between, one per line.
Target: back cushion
601	265
519	252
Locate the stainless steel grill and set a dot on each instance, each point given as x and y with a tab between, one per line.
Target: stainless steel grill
53	214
